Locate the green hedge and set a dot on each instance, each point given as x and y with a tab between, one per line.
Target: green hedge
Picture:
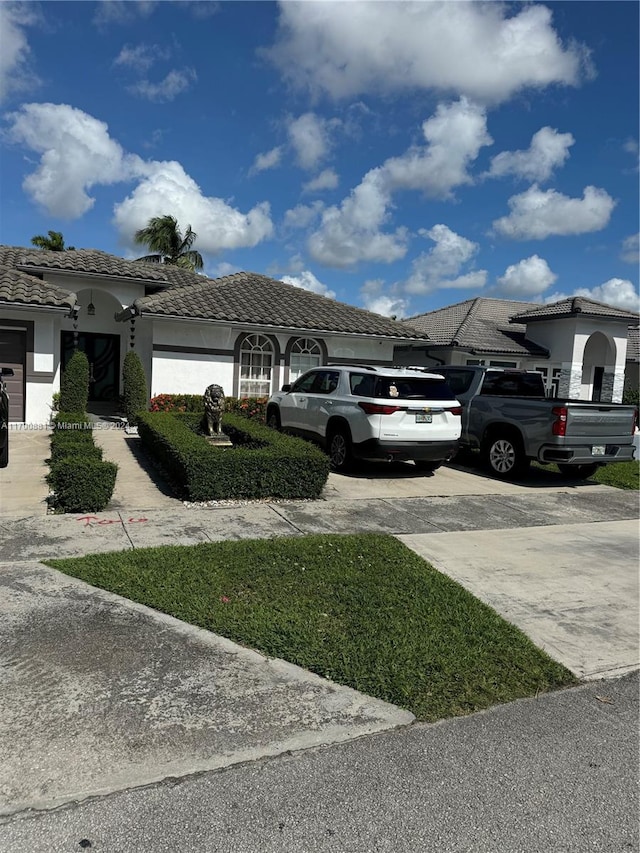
80	480
74	385
262	463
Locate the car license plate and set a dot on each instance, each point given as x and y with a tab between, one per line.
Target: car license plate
423	417
598	450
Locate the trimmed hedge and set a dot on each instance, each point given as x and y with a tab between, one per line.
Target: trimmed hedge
135	397
79	478
74	385
262	463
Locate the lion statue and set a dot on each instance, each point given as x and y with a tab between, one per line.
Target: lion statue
214	409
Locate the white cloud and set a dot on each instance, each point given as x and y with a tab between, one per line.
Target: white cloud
307	281
302	215
529	277
326	180
631	146
374	298
310	137
454	136
175	83
351	232
142	56
16	74
548	150
166	187
121	11
268	160
441	267
222	269
77	154
619	292
631	249
536	214
474	49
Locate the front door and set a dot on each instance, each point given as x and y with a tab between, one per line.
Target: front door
103	354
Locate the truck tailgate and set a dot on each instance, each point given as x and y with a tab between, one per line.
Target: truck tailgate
593	421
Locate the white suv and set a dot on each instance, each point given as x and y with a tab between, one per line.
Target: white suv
357	411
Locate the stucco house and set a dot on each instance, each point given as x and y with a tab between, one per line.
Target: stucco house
246	332
250	333
580	346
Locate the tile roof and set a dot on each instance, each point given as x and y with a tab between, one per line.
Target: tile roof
480	325
572	306
247	297
633	344
87	261
22	289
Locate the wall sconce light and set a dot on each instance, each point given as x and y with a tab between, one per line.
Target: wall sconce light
91	308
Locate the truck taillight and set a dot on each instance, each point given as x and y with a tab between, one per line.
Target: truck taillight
560	424
456	410
378	409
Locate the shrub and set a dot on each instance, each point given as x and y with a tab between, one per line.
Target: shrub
82	484
74	387
177	403
134	386
262	463
631	396
254	408
250	407
80	480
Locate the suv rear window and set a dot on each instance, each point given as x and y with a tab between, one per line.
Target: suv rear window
399	387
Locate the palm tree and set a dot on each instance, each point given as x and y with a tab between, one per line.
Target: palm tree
168	244
54	242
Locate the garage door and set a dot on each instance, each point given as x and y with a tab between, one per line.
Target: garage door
13	350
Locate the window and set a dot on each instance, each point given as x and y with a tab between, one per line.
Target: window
484	362
256	366
459	380
305	354
551	376
512	384
402	388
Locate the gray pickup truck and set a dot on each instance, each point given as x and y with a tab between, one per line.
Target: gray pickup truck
508	418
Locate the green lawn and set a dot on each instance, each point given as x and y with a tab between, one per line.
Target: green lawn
362	610
621	475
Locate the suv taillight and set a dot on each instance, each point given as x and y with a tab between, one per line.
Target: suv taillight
378	409
560	424
456	410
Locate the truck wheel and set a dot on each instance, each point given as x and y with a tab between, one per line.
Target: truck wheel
505	457
339	446
426	467
579	472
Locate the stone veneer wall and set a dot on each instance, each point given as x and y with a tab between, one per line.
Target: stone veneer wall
570	381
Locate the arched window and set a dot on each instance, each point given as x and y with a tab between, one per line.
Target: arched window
305	354
256	366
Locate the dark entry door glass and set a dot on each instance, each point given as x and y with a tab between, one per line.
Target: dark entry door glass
103	354
598	374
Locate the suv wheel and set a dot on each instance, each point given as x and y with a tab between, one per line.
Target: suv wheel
273	418
339	446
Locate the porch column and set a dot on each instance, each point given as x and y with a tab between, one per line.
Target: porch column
570	380
612	385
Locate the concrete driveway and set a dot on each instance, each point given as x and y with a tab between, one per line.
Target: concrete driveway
573	589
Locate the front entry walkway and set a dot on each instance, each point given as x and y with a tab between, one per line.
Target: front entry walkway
23	489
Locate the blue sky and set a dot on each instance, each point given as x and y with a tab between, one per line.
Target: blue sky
397	156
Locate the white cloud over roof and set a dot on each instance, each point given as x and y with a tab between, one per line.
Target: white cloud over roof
537	214
352	48
529	277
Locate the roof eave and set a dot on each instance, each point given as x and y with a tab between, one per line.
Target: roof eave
36	306
28	269
274	328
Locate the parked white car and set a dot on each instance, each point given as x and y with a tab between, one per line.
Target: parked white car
358	411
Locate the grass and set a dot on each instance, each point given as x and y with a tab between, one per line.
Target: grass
362	610
620	475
